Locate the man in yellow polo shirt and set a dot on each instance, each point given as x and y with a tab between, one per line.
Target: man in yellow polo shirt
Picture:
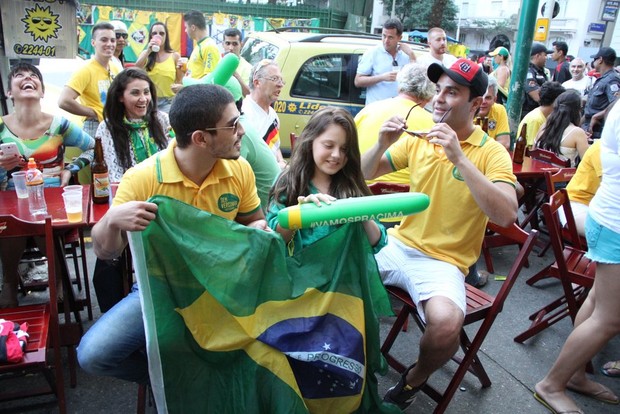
206	55
469	180
202	168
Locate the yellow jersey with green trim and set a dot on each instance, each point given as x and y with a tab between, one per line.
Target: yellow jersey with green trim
204	58
587	179
228	191
498	121
452	228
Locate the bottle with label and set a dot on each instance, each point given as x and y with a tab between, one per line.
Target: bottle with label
101	180
520	144
36	195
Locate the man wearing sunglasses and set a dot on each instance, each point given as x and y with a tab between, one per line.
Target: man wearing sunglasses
120	30
201	168
90	83
379	65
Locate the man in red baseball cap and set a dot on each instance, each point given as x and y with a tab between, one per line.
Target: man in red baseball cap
468	177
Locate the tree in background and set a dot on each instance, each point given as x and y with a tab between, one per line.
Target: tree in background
424	14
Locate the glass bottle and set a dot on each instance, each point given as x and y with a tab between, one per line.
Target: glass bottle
101	180
519	152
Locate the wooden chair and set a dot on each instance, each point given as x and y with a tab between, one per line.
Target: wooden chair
548	156
43	349
552	180
481	307
570	267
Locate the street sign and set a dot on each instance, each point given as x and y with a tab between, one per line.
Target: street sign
541	30
610	11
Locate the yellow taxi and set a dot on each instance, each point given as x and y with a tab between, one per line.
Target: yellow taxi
319	70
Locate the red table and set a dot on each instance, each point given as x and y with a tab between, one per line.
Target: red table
533	168
18	207
97	211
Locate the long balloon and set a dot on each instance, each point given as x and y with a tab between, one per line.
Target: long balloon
220	75
350	210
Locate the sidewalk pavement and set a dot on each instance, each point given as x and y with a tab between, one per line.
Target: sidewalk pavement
513	368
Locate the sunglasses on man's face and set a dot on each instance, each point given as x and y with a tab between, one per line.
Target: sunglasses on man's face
123	35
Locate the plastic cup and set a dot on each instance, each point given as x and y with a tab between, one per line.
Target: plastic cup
73	205
19	180
183	63
157	39
68	188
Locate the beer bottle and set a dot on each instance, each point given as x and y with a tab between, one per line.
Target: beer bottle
519	152
485	124
101	181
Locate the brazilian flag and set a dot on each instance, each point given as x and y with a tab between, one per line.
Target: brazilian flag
233	325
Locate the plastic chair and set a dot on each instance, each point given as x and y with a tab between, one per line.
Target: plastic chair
570	267
43	349
481	307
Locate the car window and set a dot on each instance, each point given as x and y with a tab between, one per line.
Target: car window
326	77
256	50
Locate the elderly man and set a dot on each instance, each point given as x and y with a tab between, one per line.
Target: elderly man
438	43
603	92
469	182
199	168
579	81
415	90
496	115
379	65
266	83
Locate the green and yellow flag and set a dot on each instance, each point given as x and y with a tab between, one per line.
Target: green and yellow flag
233	325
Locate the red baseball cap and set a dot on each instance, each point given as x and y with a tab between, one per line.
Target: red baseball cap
464	72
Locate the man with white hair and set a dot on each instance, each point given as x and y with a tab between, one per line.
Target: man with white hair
580	81
499	128
415	90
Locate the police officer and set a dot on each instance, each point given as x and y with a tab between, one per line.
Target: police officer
603	92
536	76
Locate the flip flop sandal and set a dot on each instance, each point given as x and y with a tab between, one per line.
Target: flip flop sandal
553	410
604	394
611	369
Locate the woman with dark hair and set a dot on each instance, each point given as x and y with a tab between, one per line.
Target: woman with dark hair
161	63
133	128
560	133
39	135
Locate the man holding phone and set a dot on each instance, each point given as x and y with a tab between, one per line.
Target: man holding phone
378	67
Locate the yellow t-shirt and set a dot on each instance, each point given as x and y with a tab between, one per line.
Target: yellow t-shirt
92	82
587	178
498	121
534	120
204	58
163	76
372	116
228	191
452	228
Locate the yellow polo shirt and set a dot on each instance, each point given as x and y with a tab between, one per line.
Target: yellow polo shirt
587	178
498	121
204	58
228	191
452	228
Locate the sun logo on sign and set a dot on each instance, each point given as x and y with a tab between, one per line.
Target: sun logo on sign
41	23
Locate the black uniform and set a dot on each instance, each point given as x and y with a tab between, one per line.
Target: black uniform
603	93
533	81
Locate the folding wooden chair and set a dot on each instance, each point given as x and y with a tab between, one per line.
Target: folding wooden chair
548	156
570	267
480	307
552	180
43	349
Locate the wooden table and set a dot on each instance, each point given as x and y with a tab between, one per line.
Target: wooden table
70	331
532	168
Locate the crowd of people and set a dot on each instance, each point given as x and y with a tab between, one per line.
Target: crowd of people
197	142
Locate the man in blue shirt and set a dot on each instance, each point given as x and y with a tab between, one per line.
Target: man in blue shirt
378	67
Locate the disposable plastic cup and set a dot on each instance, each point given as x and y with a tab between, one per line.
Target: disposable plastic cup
183	62
19	180
73	205
77	188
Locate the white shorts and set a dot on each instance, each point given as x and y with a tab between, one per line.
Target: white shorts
422	276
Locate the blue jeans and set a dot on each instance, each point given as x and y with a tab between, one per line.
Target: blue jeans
115	345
